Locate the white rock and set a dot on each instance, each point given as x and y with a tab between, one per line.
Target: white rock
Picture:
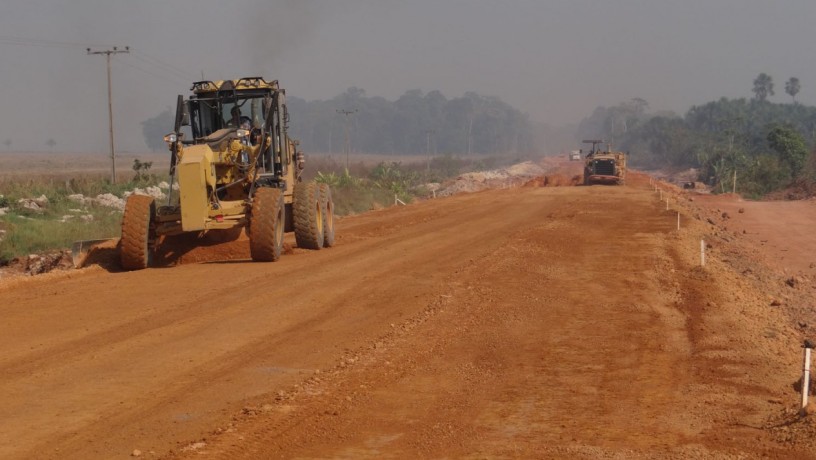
194	447
155	192
41	201
162	185
87	218
77	198
151	191
29	203
110	200
3	211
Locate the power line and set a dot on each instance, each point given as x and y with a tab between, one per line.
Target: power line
170	78
150	61
26	41
170	68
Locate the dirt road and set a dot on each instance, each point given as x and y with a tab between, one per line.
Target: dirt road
565	322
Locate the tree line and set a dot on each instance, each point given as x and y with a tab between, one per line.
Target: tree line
414	123
769	145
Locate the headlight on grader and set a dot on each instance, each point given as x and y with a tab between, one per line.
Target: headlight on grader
242	133
171	138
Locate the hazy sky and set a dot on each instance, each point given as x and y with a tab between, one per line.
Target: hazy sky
556	60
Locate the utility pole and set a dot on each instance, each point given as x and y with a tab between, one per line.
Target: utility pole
108	54
470	128
346	130
428	147
734	190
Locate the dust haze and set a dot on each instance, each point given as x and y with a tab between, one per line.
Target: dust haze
556	60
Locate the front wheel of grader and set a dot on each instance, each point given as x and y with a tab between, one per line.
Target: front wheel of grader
137	233
308	215
266	225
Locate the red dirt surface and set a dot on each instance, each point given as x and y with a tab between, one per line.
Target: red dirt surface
560	173
782	230
568	322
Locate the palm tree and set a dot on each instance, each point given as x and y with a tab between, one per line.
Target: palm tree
792	87
763	87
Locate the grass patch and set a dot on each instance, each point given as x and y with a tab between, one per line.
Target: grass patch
60	220
363	186
30	235
368	185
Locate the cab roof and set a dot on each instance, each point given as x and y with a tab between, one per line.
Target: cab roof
241	84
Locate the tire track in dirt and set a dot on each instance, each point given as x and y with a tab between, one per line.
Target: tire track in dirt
473	349
381	260
556	322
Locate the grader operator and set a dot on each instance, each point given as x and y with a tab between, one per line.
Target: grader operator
235	167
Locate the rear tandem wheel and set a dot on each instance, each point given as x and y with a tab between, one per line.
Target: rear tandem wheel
308	216
327	214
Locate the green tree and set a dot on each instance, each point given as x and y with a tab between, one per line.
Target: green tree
763	87
155	128
470	123
142	169
790	146
792	87
613	124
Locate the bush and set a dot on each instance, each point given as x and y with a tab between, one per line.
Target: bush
142	169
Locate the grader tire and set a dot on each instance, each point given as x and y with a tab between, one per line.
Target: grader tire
327	213
266	225
308	216
135	253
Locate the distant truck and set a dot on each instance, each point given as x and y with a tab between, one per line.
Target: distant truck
575	155
604	167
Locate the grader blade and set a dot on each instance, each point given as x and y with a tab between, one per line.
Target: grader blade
80	250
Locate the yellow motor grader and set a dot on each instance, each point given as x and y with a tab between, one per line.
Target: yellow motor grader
604	167
235	167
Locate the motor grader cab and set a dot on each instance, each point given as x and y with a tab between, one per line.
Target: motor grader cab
604	167
231	177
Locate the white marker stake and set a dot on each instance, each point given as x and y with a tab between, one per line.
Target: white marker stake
678	221
667	203
806	376
702	253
